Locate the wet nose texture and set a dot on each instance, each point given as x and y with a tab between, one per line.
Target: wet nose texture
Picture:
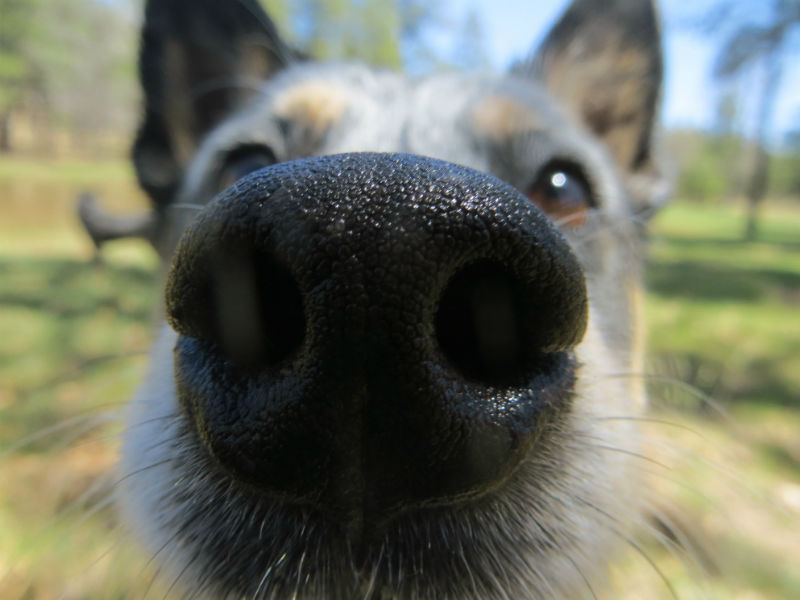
373	333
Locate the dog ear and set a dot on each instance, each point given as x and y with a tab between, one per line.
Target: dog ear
602	61
199	60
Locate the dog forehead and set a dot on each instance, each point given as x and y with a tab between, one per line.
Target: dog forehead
470	120
439	115
360	108
473	110
493	106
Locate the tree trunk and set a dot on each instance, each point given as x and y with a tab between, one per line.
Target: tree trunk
5	131
756	191
759	179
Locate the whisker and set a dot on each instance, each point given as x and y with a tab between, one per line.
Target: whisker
65	513
299	578
168	417
632	453
630	541
641	552
78	369
183	571
152	560
684	386
263	581
683	543
581	574
141	470
653	421
374	574
113	547
83	425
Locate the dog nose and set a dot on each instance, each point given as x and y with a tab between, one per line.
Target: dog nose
370	333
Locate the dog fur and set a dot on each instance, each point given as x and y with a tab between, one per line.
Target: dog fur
219	82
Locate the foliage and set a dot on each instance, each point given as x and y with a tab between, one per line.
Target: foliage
67	63
14	70
387	33
785	174
768	45
708	164
746	43
71	64
702	168
712	166
84	88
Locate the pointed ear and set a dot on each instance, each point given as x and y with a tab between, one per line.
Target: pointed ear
602	60
199	61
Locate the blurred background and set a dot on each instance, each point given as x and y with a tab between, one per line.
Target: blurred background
723	279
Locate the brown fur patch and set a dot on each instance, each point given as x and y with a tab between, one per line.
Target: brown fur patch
313	105
500	117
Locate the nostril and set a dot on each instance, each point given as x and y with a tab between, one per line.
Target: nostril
478	323
487	326
246	302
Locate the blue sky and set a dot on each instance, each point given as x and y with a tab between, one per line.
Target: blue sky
513	27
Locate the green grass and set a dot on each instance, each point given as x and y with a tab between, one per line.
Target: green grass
724	317
73	340
73	333
726	311
65	172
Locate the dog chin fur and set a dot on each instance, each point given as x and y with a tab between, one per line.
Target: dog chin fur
541	535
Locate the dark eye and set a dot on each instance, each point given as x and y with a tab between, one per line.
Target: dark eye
561	191
242	161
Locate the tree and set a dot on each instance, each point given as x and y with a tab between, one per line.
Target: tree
727	144
88	91
71	63
16	72
765	46
388	33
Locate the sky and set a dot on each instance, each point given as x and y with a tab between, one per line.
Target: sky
513	27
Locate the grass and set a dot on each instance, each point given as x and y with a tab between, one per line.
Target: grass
74	333
724	308
65	172
723	317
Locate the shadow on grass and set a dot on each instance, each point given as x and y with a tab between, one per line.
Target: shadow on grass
699	384
714	277
781	457
688	279
70	288
65	324
782	242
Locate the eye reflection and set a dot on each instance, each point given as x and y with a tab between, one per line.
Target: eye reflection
563	194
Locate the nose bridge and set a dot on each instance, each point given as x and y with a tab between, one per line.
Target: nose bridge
403	327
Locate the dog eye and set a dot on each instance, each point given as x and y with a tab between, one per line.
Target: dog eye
562	192
243	161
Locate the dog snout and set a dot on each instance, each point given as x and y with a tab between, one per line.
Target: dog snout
365	334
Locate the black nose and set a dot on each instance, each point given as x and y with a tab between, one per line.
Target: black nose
369	333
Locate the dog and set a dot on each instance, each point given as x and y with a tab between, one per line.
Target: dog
399	313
